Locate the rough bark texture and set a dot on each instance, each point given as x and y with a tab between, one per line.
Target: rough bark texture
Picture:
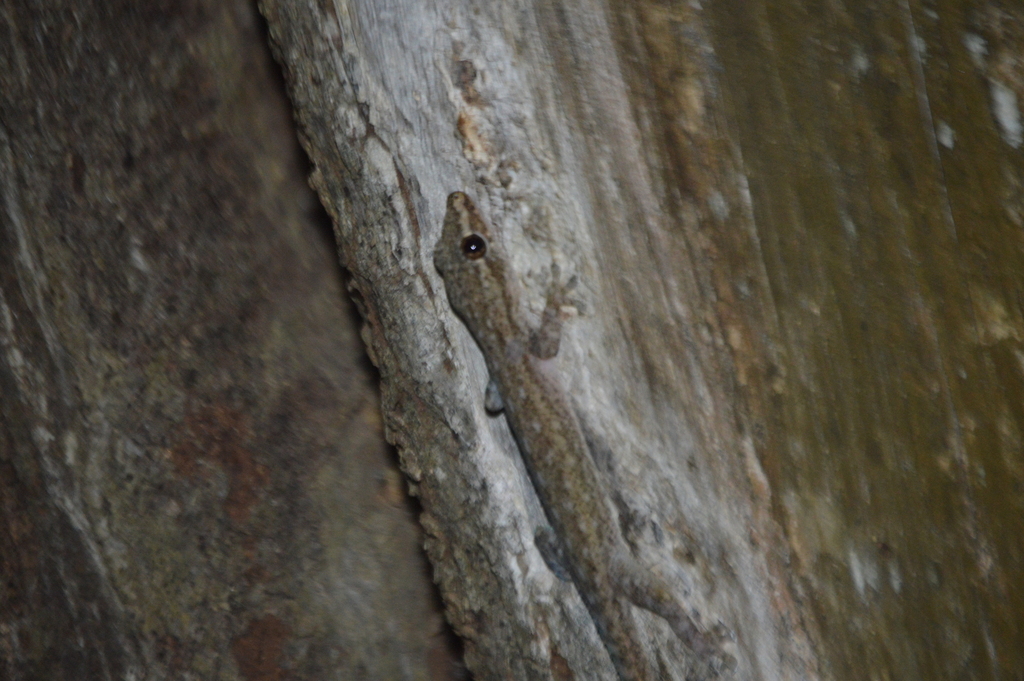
798	235
193	478
798	231
891	227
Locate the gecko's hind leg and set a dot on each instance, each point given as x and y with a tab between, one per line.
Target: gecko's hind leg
651	592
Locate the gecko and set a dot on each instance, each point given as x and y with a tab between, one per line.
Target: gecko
484	293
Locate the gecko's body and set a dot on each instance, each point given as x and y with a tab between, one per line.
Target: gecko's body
488	298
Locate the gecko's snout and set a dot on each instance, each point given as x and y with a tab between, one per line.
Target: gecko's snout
457	199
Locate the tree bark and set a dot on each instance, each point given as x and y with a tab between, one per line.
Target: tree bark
194	482
797	234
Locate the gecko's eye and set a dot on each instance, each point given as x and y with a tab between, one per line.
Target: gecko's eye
474	246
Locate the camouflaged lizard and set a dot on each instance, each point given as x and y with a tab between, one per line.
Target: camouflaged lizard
486	295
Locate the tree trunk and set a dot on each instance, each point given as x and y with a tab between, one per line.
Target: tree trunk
797	234
194	482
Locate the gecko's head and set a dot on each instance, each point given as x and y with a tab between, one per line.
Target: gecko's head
469	260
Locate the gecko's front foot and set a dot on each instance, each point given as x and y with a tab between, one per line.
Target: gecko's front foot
559	293
545	340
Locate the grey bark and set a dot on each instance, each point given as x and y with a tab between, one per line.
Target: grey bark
797	232
528	109
193	478
798	235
